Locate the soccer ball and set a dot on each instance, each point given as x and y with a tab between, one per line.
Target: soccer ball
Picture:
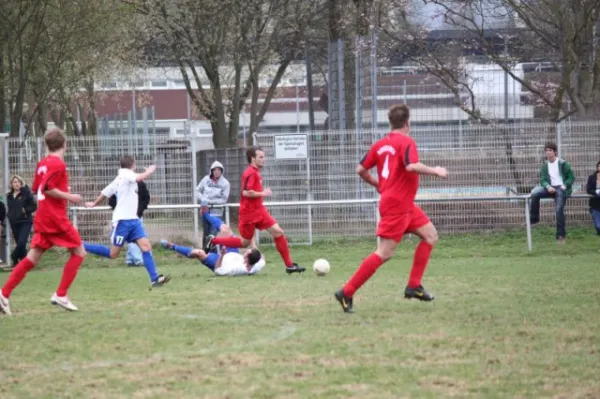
321	267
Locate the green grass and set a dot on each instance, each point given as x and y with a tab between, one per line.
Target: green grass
505	324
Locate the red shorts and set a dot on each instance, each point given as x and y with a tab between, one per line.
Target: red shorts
261	221
395	226
69	238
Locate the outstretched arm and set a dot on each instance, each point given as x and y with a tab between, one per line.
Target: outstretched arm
56	193
98	200
143	176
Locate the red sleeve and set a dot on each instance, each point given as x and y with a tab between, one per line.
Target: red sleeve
411	155
369	161
36	184
249	182
56	178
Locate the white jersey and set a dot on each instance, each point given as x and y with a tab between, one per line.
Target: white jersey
233	264
126	188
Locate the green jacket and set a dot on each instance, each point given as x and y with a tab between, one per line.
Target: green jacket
566	173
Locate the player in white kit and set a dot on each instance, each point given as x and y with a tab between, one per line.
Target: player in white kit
229	262
126	225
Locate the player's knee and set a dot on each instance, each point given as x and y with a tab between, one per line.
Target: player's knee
385	254
225	230
277	231
431	237
80	251
197	253
145	245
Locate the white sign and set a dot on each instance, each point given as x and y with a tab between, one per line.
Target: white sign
293	146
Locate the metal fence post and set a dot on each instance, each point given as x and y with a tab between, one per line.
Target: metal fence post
340	82
6	173
528	224
374	79
559	138
194	184
74	217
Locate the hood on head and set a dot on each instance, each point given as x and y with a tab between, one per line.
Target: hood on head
215	165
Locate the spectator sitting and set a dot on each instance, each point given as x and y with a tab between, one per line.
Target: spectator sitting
212	190
134	253
593	189
556	181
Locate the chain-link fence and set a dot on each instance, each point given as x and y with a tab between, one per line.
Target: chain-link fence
492	161
501	162
93	162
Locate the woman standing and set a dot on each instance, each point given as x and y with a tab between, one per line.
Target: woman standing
21	206
593	189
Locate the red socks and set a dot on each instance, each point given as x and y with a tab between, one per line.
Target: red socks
366	269
69	273
422	254
16	276
231	242
284	250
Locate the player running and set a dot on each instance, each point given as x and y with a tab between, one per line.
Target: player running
398	170
126	225
51	224
254	215
229	262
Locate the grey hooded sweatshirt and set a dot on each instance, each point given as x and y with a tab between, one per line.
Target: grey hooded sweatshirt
211	191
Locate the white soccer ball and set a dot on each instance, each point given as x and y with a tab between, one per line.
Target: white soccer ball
321	267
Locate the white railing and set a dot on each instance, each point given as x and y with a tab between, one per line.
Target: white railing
309	204
525	198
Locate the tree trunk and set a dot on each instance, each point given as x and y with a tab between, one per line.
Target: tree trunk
234	117
2	91
17	111
42	118
91	115
219	126
220	137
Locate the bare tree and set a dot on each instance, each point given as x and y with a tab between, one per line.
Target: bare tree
52	48
223	47
549	32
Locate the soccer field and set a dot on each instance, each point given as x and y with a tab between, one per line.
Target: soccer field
504	324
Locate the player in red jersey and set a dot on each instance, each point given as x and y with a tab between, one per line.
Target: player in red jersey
254	215
398	170
51	223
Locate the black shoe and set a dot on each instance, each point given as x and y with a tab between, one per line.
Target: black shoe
208	245
161	280
418	293
294	269
344	301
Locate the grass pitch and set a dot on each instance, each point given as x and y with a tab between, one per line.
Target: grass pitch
504	324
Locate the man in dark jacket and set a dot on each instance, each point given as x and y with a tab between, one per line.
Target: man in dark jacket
134	254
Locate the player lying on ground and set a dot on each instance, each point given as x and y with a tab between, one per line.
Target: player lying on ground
398	170
229	262
126	225
254	215
51	224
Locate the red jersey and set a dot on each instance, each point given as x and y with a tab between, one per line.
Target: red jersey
397	187
251	180
51	216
